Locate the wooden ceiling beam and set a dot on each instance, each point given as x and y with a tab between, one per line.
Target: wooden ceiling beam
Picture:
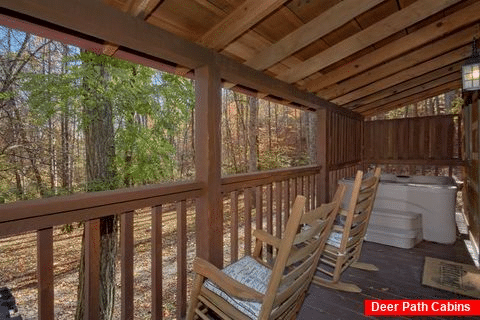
392	24
415	98
94	20
412	91
326	22
238	22
431	76
413	72
396	48
408	60
141	8
109	49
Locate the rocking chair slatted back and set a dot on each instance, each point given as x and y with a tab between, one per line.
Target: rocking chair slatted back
349	231
298	254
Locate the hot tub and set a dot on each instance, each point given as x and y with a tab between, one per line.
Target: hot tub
433	198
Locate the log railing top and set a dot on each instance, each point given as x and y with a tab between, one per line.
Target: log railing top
30	215
248	180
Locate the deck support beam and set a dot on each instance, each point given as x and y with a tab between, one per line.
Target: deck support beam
209	207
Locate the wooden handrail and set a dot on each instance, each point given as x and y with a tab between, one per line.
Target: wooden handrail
42	215
249	180
31	215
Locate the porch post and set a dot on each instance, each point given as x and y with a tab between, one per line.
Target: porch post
323	182
209	207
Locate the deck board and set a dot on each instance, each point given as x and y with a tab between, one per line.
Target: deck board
399	277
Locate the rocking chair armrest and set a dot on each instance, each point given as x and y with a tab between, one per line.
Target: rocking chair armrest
230	286
267	238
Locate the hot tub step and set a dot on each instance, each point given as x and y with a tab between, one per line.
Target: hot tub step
400	238
396	219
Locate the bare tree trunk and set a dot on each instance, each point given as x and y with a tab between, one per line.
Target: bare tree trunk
100	153
229	138
312	150
253	134
415	110
270	127
449	97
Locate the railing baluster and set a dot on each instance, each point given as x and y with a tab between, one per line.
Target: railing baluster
278	208
307	191
92	269
181	259
127	248
259	207
269	216
234	226
287	200
157	298
247	199
312	192
45	274
294	188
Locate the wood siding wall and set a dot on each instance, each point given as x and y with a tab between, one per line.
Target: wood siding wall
471	152
344	148
424	141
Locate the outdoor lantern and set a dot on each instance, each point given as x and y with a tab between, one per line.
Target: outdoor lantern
471	71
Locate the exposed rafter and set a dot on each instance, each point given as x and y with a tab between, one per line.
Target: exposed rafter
409	84
403	62
239	21
418	89
394	23
110	49
407	74
109	25
415	98
311	31
144	8
413	40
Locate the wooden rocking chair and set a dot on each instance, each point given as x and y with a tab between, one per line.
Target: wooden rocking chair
344	245
251	288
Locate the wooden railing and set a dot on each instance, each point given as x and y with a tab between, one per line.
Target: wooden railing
42	215
414	145
264	198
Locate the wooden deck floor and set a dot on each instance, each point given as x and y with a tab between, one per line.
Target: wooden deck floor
399	277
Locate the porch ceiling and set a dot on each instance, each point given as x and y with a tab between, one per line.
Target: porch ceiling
364	55
367	56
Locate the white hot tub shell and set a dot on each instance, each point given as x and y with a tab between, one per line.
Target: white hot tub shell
433	198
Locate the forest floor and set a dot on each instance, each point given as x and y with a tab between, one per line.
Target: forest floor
18	267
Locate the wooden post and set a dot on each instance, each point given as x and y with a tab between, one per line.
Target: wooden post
157	298
92	270
181	259
209	208
127	251
45	273
322	148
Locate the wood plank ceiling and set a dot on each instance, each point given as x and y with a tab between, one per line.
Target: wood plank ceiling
369	56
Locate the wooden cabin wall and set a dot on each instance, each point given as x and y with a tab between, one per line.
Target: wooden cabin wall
471	151
344	149
423	145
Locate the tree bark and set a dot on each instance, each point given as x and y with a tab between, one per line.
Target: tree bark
253	134
100	153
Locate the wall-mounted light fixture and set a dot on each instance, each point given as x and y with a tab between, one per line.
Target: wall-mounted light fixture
471	71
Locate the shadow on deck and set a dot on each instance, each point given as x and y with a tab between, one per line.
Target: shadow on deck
399	277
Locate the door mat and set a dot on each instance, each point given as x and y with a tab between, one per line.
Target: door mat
456	277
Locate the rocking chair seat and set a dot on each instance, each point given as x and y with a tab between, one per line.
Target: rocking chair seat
335	239
251	273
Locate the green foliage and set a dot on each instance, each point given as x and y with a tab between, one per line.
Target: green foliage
148	107
274	159
457	105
